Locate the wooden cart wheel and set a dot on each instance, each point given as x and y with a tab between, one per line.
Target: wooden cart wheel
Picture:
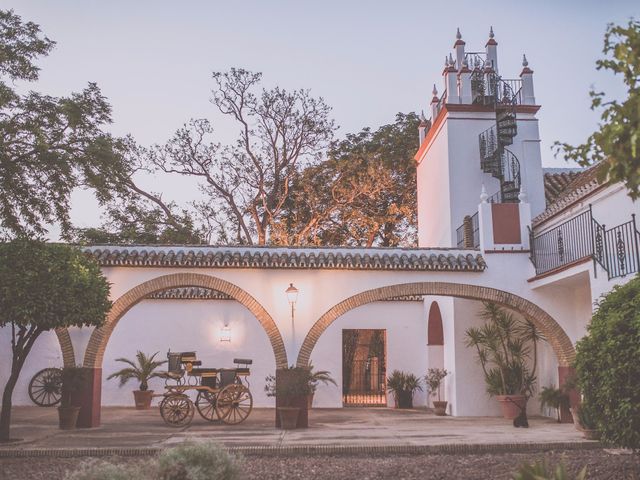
234	404
45	388
177	410
206	406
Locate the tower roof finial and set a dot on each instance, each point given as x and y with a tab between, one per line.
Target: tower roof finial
434	91
452	62
525	62
458	34
491	35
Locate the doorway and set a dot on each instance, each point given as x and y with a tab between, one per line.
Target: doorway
364	368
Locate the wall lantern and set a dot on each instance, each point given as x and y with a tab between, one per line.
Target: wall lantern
225	334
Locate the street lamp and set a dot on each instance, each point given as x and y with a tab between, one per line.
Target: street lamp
292	297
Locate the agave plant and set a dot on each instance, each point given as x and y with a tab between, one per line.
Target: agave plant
506	347
142	371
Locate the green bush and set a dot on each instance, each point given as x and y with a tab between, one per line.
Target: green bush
203	461
607	365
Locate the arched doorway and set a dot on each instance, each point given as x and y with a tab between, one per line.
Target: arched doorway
435	337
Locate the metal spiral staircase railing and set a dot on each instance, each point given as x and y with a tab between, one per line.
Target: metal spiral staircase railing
489	89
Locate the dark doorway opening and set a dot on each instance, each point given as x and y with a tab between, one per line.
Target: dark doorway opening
364	368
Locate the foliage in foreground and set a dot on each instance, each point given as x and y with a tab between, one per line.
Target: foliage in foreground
607	366
202	461
543	471
617	142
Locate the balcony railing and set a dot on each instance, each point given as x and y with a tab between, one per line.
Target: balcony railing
475	232
615	249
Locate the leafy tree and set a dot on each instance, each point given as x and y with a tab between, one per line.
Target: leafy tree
617	142
607	362
44	287
48	145
364	194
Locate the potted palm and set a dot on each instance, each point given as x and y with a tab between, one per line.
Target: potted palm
403	386
317	377
73	379
433	380
141	370
506	348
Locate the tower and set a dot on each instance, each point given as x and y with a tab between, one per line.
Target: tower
483	132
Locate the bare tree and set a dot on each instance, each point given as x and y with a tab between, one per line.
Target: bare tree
247	183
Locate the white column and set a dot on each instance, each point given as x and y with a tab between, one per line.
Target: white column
528	96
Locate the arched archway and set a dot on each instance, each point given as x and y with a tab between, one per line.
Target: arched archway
100	336
556	336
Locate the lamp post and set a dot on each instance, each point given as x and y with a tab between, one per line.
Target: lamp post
292	297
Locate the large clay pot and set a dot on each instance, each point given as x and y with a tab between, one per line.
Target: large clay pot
143	399
68	417
404	399
440	408
288	417
512	405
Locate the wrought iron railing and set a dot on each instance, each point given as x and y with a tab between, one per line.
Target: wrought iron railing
475	228
616	249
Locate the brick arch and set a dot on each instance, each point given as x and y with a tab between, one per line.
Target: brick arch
554	333
66	346
100	336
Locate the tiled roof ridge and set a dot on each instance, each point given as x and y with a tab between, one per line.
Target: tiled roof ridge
222	257
583	184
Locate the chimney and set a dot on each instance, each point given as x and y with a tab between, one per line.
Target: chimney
459	47
492	51
528	97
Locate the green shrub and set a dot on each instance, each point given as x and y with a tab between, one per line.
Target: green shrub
543	471
203	461
607	366
100	470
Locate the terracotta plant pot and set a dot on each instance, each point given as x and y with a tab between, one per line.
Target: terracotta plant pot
440	408
512	405
143	399
68	417
404	399
288	417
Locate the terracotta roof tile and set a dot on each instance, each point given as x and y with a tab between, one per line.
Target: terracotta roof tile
286	257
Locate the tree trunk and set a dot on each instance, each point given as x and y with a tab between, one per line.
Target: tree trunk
5	413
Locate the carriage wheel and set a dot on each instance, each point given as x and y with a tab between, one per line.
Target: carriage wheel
206	405
177	410
234	404
45	388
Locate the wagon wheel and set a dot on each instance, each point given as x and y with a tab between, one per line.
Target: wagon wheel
176	410
206	405
45	388
234	404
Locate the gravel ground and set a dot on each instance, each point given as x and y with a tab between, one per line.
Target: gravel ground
600	463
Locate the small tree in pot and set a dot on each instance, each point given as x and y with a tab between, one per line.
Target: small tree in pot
434	379
142	371
506	347
403	385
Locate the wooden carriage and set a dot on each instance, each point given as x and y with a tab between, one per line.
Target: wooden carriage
222	393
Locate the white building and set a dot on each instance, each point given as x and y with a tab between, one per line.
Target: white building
494	225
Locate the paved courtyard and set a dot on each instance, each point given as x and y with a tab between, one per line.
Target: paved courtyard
130	428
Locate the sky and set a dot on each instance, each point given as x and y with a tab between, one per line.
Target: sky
368	59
